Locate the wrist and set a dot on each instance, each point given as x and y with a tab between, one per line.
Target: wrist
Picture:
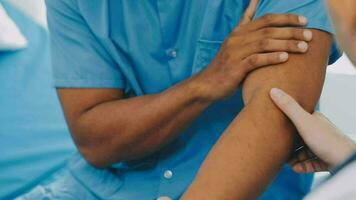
200	89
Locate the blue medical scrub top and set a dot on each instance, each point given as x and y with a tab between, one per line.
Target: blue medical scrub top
145	47
34	139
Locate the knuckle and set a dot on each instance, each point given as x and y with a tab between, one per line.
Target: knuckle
268	18
252	60
263	44
294	45
268	31
242	40
287	45
292	18
290	45
294	33
240	72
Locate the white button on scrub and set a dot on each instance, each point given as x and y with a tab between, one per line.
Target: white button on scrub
168	174
173	53
164	198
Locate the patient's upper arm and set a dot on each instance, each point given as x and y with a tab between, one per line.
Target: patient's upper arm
258	142
266	135
302	76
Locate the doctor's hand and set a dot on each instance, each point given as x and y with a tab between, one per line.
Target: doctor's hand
328	147
251	45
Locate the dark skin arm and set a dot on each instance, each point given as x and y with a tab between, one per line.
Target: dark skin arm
259	141
108	128
118	129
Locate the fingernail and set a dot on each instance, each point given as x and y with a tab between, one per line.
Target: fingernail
308	35
303	46
276	92
283	56
303	20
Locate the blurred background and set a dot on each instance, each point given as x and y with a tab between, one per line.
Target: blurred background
339	96
35	143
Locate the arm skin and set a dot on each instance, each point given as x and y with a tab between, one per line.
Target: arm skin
259	141
119	129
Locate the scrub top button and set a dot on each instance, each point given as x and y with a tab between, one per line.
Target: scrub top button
173	53
168	174
164	198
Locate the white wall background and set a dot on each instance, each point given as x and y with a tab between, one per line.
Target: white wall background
338	100
342	66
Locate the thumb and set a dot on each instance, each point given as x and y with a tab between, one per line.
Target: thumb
250	12
291	108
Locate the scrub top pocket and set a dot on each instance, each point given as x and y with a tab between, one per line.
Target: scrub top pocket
220	19
205	53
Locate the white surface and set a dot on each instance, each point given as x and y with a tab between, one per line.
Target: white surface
340	187
33	8
338	101
11	37
342	66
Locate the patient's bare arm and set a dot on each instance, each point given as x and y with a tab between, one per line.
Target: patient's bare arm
257	143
